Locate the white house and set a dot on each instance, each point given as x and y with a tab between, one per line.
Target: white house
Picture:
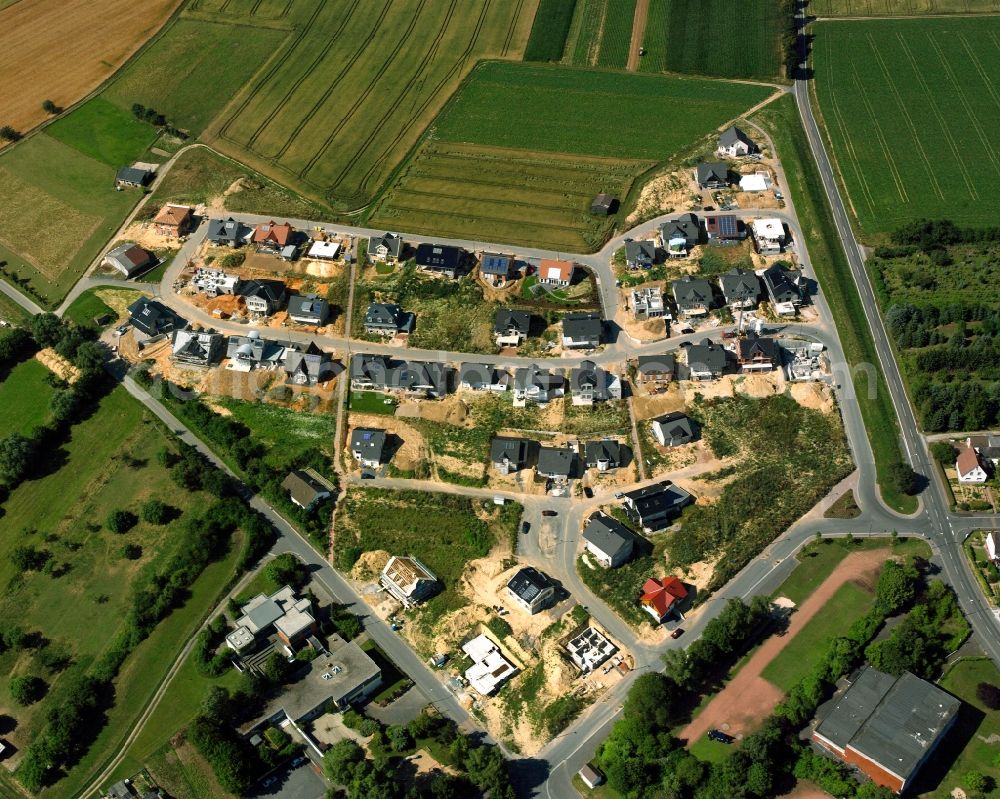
759	181
991	546
489	669
735	143
530	590
768	235
970	466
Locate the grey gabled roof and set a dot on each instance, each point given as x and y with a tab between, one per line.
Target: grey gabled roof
686	226
640	250
383	315
676	425
706	357
655	363
582	327
692	291
716	171
514	450
479	373
509	319
535	376
528	583
269	290
495	264
152	317
556	460
370	442
780	283
130	174
753	346
606	449
733	134
305	486
307	305
608	535
737	284
226	230
393	243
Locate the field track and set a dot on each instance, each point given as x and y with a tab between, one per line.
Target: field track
56	50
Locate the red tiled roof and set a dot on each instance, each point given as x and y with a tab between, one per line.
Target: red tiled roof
173	215
564	269
968	459
661	594
272	231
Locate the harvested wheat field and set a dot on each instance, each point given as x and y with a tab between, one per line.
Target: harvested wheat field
61	50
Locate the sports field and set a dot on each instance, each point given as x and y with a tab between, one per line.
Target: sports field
708	37
886	8
60	50
911	107
357	85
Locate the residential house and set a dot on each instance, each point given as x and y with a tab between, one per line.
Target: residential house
249	352
605	455
555	273
759	181
647	303
887	727
273	238
227	232
495	268
724	230
673	429
153	318
483	377
768	235
197	347
609	541
129	259
307	487
588	383
785	287
532	384
388	320
262	297
712	176
511	327
130	176
369	372
969	466
589	649
679	236
509	454
288	616
368	446
490	667
440	259
735	143
414	378
214	282
582	330
991	546
173	221
408	580
308	367
706	361
321	250
662	598
757	354
639	254
557	463
693	296
653	507
603	205
988	447
654	371
386	248
590	776
740	288
530	590
308	309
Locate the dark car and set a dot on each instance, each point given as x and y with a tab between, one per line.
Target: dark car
367	476
677	633
720	736
588	492
549	513
524	528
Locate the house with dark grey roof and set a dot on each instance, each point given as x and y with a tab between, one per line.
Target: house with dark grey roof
152	318
415	378
308	367
678	236
262	297
589	383
533	384
673	429
706	361
308	309
483	377
130	176
197	347
887	727
129	259
509	454
227	232
386	248
530	590
692	295
582	330
653	371
735	143
511	327
609	541
605	455
496	268
785	288
306	487
602	205
712	176
557	463
740	288
388	320
655	506
251	351
441	259
757	354
639	254
368	446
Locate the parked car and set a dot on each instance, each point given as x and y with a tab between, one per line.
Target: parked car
524	528
550	513
778	195
677	633
588	492
720	736
297	762
367	475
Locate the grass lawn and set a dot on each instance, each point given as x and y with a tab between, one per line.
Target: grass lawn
906	100
781	119
10	311
798	658
844	507
283	430
24	397
392	678
90	305
105	132
370	402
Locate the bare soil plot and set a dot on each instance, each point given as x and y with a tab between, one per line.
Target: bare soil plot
60	50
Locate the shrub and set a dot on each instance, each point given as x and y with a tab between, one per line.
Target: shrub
27	689
989	695
131	551
120	521
155	512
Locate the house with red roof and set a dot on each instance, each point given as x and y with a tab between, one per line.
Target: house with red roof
970	466
555	273
272	237
662	597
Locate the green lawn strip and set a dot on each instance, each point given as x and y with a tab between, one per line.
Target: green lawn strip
547	39
370	402
10	311
709	751
393	679
616	37
105	132
798	657
830	262
884	8
24	396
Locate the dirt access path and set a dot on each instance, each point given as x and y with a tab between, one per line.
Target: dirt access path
748	698
638	31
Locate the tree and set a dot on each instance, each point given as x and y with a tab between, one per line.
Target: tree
7	133
989	695
896	587
28	558
155	512
651	698
977	782
286	569
902	478
131	552
399	738
49	107
16	453
120	521
27	689
275	668
341	760
47	329
90	356
217	704
943	452
64	404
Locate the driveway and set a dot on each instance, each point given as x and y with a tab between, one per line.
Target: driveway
303	782
402	711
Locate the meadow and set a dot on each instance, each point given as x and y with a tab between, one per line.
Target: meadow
888	8
705	37
103	131
285	431
24	396
351	95
910	107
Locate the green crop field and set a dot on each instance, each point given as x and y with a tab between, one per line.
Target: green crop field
105	132
910	107
708	37
617	34
549	29
358	84
887	8
583	43
24	397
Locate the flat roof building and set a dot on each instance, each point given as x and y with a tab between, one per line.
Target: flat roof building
291	617
490	669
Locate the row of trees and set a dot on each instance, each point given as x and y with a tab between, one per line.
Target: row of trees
155	118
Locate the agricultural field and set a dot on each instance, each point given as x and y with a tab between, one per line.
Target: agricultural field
910	107
705	37
889	8
351	95
24	396
600	33
51	50
549	29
